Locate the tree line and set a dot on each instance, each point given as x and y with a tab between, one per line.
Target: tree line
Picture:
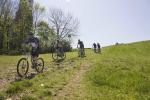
18	17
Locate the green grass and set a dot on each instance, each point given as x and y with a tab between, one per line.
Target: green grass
53	79
2	96
121	72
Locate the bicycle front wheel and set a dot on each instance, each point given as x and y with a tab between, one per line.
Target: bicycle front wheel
22	67
40	65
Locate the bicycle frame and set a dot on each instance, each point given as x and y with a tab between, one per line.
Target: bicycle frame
28	57
81	52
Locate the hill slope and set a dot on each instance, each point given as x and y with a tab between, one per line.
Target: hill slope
122	73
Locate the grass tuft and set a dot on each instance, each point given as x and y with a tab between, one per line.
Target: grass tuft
25	97
13	89
2	96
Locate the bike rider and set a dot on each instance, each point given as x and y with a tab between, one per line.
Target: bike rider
59	47
94	46
80	45
99	47
34	43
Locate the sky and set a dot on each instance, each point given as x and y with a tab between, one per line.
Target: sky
107	21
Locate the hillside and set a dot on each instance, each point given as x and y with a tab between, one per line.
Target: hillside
120	72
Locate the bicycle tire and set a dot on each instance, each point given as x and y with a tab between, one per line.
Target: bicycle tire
40	71
54	54
64	55
19	62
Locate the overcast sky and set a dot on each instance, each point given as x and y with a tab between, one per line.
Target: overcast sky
107	21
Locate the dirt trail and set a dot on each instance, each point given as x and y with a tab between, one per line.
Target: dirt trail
10	75
7	76
69	91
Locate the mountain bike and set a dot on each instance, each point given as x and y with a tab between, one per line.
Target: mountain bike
81	53
23	65
94	50
99	50
58	54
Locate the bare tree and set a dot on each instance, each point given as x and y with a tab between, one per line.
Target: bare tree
38	12
64	25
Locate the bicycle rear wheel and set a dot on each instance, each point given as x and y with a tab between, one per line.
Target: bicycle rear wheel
81	53
40	65
22	67
55	55
64	55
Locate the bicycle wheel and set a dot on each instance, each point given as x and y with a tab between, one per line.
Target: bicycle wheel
55	55
40	65
82	53
79	53
64	55
22	67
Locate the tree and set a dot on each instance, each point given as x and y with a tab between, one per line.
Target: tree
7	10
46	35
23	22
38	12
63	24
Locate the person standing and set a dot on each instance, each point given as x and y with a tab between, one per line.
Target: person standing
98	48
80	45
35	46
94	47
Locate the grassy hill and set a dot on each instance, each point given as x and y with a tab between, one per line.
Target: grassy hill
120	72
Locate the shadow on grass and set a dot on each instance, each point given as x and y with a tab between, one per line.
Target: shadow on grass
59	61
28	77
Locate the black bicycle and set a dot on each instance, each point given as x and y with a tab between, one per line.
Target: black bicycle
23	65
81	53
58	54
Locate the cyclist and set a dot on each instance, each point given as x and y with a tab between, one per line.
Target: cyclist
99	47
34	43
94	46
80	45
59	47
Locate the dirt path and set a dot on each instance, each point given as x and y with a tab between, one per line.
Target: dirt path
7	76
11	76
70	91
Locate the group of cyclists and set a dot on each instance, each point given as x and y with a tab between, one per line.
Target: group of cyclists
33	43
97	48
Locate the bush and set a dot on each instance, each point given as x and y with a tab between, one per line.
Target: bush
2	51
14	52
10	52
